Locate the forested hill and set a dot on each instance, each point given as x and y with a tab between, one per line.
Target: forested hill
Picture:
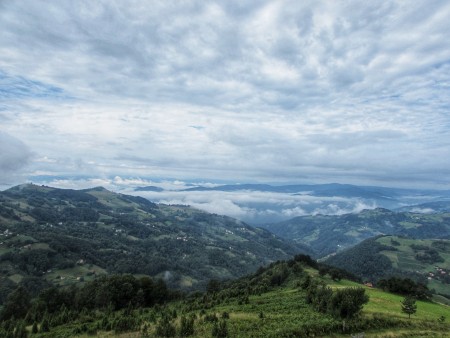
61	236
426	261
329	234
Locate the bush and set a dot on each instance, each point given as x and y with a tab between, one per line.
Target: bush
212	318
220	329
165	328
187	327
125	323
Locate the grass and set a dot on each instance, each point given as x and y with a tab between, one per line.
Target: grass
283	312
64	277
16	278
387	303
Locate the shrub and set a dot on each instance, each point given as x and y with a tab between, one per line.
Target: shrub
220	329
165	328
187	327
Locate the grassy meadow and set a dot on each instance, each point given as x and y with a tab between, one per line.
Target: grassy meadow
283	312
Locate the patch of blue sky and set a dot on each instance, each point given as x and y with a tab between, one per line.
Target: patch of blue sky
197	127
19	87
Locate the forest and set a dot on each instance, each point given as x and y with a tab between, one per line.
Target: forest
283	299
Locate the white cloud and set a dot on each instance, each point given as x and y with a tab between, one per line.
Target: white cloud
258	206
308	91
423	210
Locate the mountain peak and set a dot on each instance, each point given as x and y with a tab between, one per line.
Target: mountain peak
99	188
29	186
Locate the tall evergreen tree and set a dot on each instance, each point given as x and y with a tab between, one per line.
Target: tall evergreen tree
34	329
20	331
45	325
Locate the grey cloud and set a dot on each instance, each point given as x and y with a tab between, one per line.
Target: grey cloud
14	155
306	90
172	47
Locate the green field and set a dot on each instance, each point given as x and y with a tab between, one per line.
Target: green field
404	257
78	274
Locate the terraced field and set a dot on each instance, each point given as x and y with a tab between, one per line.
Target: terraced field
405	255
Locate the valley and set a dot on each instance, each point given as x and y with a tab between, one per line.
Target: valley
84	241
58	237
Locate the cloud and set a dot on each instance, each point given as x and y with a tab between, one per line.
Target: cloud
423	210
308	91
257	206
14	156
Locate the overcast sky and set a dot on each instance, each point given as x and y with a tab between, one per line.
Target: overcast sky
240	91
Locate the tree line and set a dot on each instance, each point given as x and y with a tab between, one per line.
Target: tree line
57	306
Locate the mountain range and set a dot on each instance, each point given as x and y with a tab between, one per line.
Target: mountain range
63	236
52	236
263	203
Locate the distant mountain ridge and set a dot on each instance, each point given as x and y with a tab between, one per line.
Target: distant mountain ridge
62	236
149	188
328	189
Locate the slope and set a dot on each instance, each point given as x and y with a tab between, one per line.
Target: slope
284	299
62	236
427	261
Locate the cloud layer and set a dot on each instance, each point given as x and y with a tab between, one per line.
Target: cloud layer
262	91
256	207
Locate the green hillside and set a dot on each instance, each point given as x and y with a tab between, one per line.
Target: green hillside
427	261
59	237
430	258
330	234
284	299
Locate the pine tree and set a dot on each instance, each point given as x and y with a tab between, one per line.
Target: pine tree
409	306
45	325
21	331
34	329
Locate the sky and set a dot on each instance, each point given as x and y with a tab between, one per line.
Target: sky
226	91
